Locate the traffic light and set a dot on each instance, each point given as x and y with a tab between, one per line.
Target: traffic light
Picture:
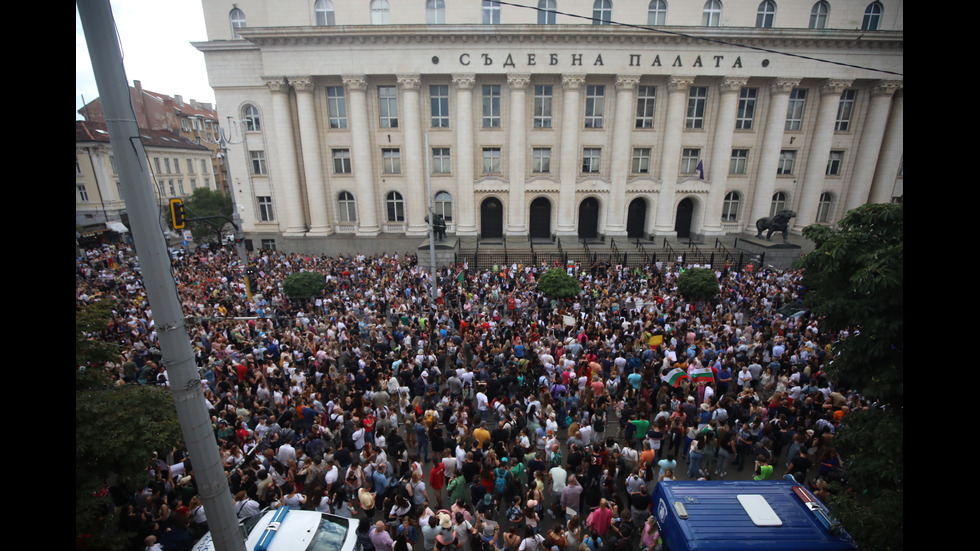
251	282
177	214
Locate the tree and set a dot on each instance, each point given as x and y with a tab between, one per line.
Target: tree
557	284
854	281
303	285
698	284
207	202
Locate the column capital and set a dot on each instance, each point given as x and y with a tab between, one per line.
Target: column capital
627	82
784	85
276	84
464	81
518	81
835	86
572	82
732	84
355	82
409	82
302	84
679	83
886	87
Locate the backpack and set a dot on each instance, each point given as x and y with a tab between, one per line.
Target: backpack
430	418
500	482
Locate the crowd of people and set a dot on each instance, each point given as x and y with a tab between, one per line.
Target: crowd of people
488	418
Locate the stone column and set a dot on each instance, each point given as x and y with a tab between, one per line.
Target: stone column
859	184
771	146
892	149
517	153
571	124
413	163
367	195
621	155
316	185
721	154
816	159
285	161
465	200
676	108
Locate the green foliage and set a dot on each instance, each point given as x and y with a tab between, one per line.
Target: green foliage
557	284
303	285
91	321
698	284
207	202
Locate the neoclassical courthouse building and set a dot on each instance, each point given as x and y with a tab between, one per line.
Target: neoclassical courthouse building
555	117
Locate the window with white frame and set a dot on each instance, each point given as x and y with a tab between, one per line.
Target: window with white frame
341	161
172	188
547	12
657	12
766	16
740	162
746	108
844	110
778	203
78	167
835	163
872	17
729	207
689	160
602	12
193	184
269	244
439	105
794	112
444	205
388	106
237	18
258	162
823	207
184	125
190	166
337	107
491	106
787	162
697	100
595	99
166	164
711	15
176	165
819	14
380	12
346	208
391	160
646	104
541	160
491	12
435	12
641	160
324	13
395	207
204	166
266	213
112	164
82	192
591	160
156	165
491	161
441	162
180	187
250	115
542	105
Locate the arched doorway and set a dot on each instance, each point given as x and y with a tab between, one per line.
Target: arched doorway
588	218
685	214
539	224
491	218
636	218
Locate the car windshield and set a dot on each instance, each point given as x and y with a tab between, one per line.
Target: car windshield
330	535
247	525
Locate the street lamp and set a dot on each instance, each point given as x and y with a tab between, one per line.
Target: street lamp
214	134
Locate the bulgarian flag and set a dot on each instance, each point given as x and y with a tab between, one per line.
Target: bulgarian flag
702	375
674	377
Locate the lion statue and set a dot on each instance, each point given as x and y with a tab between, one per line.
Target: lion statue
778	223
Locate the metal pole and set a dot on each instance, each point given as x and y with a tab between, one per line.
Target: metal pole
432	221
161	289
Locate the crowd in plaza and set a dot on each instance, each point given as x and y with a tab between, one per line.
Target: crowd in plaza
488	418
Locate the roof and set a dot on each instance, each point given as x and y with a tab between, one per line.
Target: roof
96	132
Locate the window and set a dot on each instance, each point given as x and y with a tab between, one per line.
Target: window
78	167
766	15
435	12
491	106
170	186
237	17
542	105
491	161
646	100
265	209
176	165
844	110
546	12
729	208
207	183
689	160
204	166
190	166
740	161
541	160
778	203
166	164
156	165
794	113
324	13
341	161
439	102
395	206
193	184
641	160
491	12
711	16
594	104
379	12
602	12
391	161
119	189
787	159
746	109
835	163
872	17
258	162
444	205
269	244
346	209
591	159
180	187
818	15
697	99
388	106
184	125
440	160
337	107
657	13
823	207
112	163
82	193
250	115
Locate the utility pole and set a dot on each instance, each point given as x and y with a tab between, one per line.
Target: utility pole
161	289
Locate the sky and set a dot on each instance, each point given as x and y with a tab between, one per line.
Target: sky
156	50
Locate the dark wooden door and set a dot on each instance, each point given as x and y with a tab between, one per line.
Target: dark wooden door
685	213
588	218
636	219
540	223
491	218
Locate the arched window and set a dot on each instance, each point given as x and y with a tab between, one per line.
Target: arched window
546	12
872	17
657	13
435	12
346	207
491	12
395	207
251	117
324	13
819	14
823	207
729	209
766	15
778	203
711	16
602	12
444	205
237	17
379	12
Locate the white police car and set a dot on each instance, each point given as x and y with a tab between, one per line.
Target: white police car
288	529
